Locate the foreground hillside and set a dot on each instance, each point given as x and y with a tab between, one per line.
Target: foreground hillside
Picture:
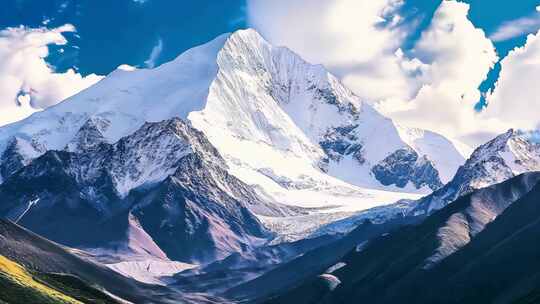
19	286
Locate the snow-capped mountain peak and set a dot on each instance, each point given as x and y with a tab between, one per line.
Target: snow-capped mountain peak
266	94
265	109
507	155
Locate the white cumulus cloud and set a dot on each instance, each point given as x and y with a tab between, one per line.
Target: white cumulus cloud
456	59
27	82
515	101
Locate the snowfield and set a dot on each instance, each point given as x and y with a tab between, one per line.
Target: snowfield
150	271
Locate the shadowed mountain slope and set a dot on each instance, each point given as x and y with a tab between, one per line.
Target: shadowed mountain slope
481	248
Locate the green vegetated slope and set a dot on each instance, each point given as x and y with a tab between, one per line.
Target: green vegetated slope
19	285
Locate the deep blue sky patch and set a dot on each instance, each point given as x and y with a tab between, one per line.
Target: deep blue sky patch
110	33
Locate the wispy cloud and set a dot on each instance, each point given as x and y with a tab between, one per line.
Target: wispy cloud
517	27
241	18
154	54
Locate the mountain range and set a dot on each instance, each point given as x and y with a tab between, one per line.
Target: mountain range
239	171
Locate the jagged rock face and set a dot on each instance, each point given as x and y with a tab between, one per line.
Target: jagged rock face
404	166
154	151
340	142
166	178
89	136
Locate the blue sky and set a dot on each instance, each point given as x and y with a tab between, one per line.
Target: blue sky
110	33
